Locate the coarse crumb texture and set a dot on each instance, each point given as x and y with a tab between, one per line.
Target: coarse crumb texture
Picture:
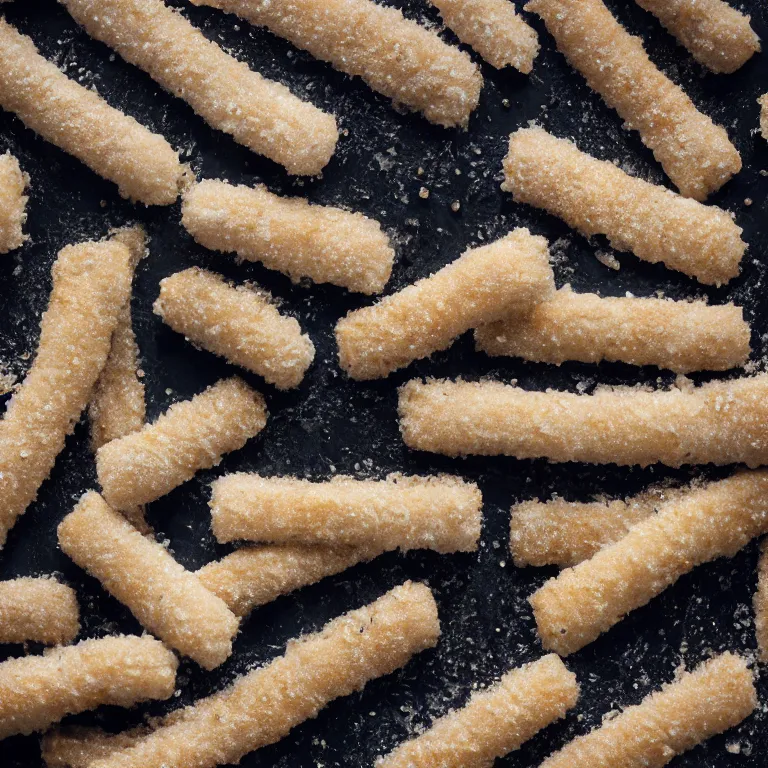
682	336
495	721
713	521
443	513
763	101
264	705
190	436
142	164
37	691
90	281
717	35
696	154
167	599
253	576
40	610
482	285
260	114
75	746
760	603
239	323
597	198
697	705
395	56
493	29
13	202
328	245
722	422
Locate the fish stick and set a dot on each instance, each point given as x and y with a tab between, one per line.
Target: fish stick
13	203
714	697
760	603
763	102
723	422
260	114
167	599
190	436
238	323
37	691
442	513
90	282
696	154
713	521
40	610
265	704
597	198
682	336
482	285
717	35
495	721
395	56
290	235
76	746
77	120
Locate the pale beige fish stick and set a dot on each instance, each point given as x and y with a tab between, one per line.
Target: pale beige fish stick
89	283
597	198
395	56
13	203
696	154
38	691
760	603
682	336
239	323
260	114
763	101
713	521
76	119
495	721
74	746
167	599
40	610
190	436
717	35
697	705
722	422
264	705
443	513
290	235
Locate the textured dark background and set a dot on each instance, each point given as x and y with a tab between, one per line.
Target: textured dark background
333	425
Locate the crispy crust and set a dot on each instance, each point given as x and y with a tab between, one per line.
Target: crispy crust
41	610
13	203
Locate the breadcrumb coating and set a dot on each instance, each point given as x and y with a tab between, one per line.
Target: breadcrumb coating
265	704
13	202
697	705
760	603
328	245
597	198
260	114
482	285
763	102
395	56
696	154
495	721
77	120
75	746
190	436
40	610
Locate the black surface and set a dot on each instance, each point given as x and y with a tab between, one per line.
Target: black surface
332	425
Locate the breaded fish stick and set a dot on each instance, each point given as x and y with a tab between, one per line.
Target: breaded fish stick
37	691
75	746
682	336
714	697
260	114
395	56
723	422
493	29
90	282
713	521
443	513
495	721
696	154
763	102
190	436
717	35
166	598
13	203
290	235
239	323
264	705
80	122
482	285
760	603
597	198
41	610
